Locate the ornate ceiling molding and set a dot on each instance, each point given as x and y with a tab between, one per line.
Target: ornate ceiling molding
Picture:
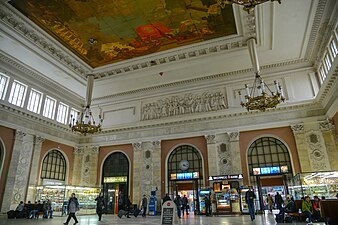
313	45
199	80
21	25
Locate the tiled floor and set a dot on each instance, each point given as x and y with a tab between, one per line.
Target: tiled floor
150	220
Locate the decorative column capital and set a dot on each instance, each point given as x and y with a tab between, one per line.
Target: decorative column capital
325	125
19	135
297	128
95	149
210	139
78	150
234	136
156	144
38	140
137	146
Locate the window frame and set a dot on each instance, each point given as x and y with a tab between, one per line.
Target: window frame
45	113
19	95
38	107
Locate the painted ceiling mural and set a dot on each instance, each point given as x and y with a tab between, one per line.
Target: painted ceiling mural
105	32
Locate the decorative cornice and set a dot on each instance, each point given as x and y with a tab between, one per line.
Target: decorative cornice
198	80
21	26
237	115
311	51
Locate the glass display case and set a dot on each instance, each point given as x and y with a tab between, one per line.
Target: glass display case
244	205
315	184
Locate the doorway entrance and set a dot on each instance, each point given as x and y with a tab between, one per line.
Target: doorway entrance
185	175
115	180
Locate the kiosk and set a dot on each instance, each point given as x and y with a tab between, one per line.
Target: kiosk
152	204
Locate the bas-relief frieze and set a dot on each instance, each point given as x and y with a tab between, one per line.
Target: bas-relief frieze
317	151
224	158
187	104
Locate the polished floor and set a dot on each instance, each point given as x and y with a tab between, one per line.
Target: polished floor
150	220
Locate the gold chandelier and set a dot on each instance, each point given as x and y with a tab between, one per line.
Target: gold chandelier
261	97
248	5
84	122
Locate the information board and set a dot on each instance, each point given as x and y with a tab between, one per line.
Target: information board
168	213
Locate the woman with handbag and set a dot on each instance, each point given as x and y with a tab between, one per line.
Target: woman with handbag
73	207
99	205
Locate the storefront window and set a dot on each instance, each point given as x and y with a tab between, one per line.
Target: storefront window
321	184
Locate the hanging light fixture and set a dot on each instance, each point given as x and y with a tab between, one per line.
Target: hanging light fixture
248	5
84	122
260	97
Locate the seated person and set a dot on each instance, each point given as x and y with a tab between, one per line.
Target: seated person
19	210
307	208
316	208
289	207
29	208
34	211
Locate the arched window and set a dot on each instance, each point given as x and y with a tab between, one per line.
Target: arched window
116	165
54	166
266	152
185	152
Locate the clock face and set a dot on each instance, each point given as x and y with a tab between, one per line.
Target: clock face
184	164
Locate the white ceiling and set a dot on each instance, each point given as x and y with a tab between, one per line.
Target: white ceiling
282	31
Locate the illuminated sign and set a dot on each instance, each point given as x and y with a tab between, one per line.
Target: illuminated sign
270	170
227	177
184	176
115	179
52	182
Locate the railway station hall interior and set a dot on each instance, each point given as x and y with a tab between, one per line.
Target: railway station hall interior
185	97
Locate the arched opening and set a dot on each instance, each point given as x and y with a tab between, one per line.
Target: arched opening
2	156
115	180
270	168
54	166
185	174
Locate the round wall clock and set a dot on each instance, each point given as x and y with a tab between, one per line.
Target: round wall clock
184	164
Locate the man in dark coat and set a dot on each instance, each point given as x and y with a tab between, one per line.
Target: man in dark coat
279	201
100	205
250	200
166	198
144	205
128	204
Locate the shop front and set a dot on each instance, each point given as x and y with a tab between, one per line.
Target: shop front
226	191
112	188
58	194
321	184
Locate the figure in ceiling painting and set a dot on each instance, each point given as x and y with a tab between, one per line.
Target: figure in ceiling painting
124	29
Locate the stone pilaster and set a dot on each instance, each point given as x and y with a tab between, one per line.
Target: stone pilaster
236	166
88	164
156	169
212	155
137	171
328	133
34	173
223	157
17	180
298	131
77	167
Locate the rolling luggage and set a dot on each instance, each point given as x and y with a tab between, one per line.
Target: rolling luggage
121	213
11	214
136	212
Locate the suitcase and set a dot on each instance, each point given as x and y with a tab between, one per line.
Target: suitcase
136	212
121	213
11	214
279	218
288	219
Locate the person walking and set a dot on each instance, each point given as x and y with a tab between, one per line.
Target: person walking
144	205
185	205
100	205
178	202
279	201
73	207
207	205
270	202
120	202
250	200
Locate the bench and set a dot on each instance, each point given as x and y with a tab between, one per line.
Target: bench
300	216
328	211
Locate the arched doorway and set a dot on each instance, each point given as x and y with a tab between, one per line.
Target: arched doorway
270	168
185	174
115	180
